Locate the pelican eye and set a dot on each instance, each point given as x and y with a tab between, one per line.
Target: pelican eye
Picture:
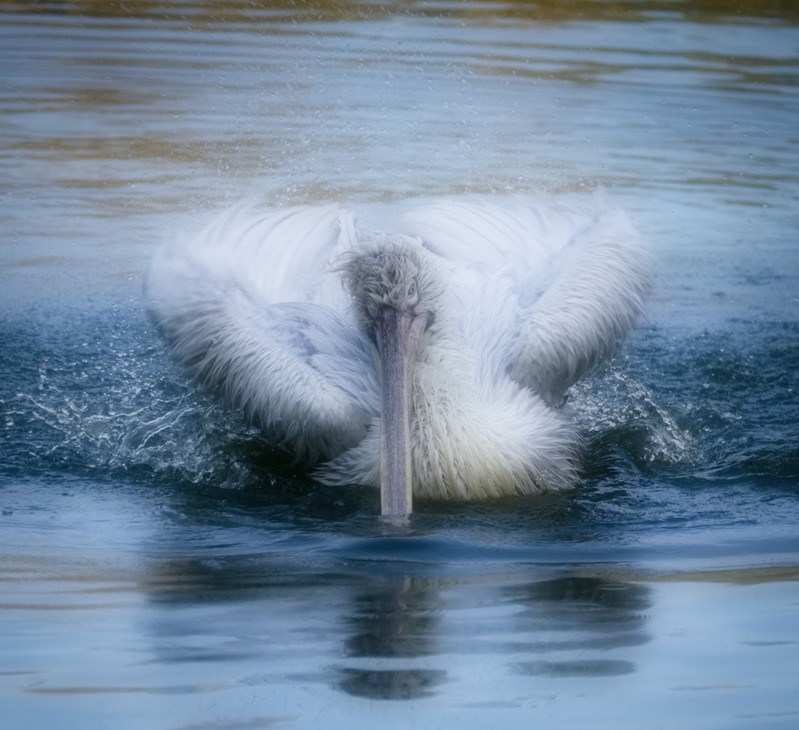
412	292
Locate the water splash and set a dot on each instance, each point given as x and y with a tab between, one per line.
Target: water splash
104	399
617	408
91	393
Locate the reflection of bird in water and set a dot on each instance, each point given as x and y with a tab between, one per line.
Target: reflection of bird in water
439	367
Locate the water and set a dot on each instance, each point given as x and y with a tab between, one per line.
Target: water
161	569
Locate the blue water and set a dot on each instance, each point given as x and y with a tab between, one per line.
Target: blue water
159	567
684	437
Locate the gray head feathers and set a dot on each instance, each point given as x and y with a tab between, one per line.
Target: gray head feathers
390	270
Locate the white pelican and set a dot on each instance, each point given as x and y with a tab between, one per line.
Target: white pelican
430	363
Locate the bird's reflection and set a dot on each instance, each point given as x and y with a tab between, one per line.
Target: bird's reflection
375	635
583	618
395	618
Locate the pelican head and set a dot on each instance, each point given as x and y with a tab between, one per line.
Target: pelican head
397	293
392	272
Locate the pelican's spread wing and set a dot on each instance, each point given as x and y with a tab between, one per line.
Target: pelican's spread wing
248	308
571	282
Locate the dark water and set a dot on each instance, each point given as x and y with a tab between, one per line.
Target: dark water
159	568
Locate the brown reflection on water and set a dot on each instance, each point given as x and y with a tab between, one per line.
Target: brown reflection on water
216	11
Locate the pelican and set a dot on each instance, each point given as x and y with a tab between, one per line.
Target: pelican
431	363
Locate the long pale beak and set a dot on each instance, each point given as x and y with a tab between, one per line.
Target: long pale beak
398	337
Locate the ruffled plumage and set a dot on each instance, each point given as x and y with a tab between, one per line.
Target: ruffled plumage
531	298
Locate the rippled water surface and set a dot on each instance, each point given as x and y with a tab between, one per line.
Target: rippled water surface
159	568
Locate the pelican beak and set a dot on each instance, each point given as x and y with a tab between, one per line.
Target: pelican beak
398	336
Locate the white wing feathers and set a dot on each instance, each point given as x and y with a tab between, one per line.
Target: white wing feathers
577	282
285	253
230	306
252	309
